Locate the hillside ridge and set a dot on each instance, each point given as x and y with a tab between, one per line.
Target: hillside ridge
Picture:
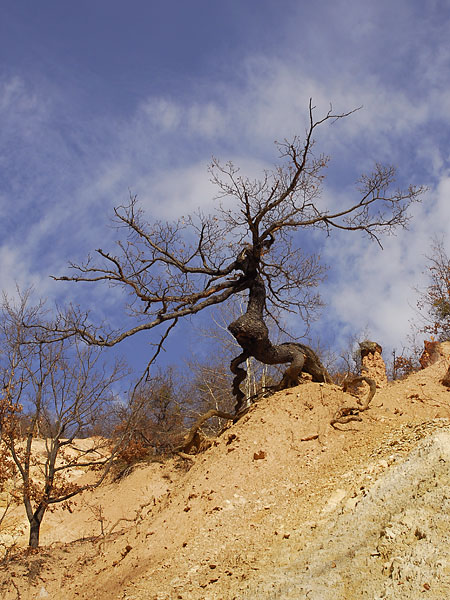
249	517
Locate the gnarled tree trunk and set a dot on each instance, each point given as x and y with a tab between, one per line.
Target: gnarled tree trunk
252	334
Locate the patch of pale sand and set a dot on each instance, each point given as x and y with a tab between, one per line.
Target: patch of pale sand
110	508
246	505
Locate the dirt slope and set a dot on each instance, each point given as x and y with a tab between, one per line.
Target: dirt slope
263	514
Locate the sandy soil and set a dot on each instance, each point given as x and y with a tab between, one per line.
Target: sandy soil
359	512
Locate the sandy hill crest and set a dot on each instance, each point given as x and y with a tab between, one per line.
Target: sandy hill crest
356	513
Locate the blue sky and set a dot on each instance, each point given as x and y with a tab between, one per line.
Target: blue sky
101	97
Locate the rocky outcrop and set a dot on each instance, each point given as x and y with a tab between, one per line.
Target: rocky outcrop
430	354
372	363
392	542
433	351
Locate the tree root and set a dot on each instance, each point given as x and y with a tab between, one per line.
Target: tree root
189	442
239	375
343	415
352	413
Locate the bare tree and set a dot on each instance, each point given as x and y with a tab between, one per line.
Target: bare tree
434	302
172	270
51	393
210	389
160	422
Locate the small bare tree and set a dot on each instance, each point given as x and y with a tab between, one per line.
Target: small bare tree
51	393
177	269
434	302
160	422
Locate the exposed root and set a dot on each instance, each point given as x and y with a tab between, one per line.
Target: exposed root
185	450
240	374
352	413
194	440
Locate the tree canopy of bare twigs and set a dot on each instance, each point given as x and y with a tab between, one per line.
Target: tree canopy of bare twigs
176	269
434	302
51	392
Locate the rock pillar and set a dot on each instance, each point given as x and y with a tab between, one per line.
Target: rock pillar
431	354
372	363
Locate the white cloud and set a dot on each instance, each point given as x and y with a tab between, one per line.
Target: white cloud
377	288
16	98
64	176
179	192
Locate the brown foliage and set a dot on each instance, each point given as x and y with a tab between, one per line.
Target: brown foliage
404	366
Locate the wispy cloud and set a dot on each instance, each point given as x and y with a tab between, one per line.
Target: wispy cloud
63	171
